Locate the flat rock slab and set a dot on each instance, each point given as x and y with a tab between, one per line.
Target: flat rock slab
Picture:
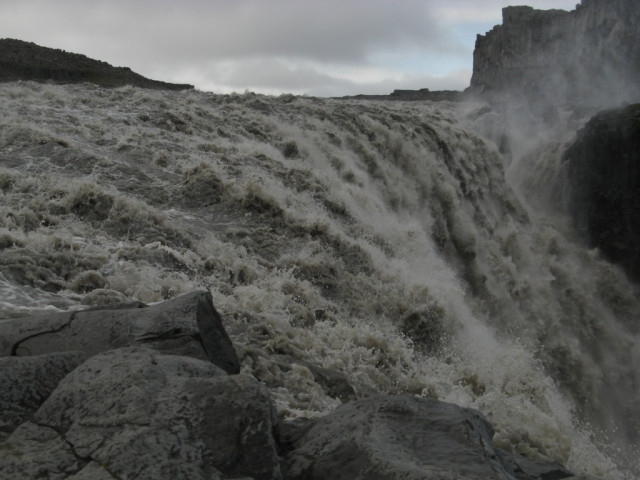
188	325
135	413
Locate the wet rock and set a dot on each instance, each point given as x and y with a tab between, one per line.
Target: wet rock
187	325
526	469
292	431
425	328
396	437
26	382
603	169
214	338
334	383
290	150
202	186
88	281
135	413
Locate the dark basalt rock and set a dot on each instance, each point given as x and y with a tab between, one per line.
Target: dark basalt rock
333	383
27	61
524	468
187	325
134	413
134	403
603	175
402	437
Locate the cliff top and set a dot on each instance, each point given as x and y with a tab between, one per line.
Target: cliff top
589	55
21	60
526	14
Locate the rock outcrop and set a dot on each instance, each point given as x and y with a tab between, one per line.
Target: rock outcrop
124	400
399	437
27	61
603	178
587	56
134	413
188	325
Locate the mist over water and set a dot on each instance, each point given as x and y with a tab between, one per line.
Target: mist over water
377	239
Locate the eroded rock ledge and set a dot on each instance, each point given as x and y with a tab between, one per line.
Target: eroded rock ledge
154	393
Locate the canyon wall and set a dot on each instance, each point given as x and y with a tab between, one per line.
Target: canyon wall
603	170
589	56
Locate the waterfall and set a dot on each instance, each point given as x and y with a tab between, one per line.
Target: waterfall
379	239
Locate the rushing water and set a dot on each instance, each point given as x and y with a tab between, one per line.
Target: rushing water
377	239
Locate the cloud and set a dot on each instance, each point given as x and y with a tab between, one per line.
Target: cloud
489	11
266	75
327	30
280	76
306	46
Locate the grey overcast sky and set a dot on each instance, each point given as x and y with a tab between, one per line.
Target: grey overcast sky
314	47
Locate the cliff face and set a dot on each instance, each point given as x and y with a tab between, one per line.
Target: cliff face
27	61
587	56
604	185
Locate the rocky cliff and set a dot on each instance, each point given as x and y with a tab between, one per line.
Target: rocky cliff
603	170
547	72
590	55
27	61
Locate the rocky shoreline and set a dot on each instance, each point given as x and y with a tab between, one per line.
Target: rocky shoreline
154	392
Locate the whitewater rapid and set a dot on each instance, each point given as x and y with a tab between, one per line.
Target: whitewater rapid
378	239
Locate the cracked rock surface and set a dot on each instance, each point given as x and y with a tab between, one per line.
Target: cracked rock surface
134	413
26	382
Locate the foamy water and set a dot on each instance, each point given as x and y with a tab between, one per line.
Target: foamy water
377	239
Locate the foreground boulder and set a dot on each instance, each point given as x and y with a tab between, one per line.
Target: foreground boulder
188	325
134	413
403	438
603	168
